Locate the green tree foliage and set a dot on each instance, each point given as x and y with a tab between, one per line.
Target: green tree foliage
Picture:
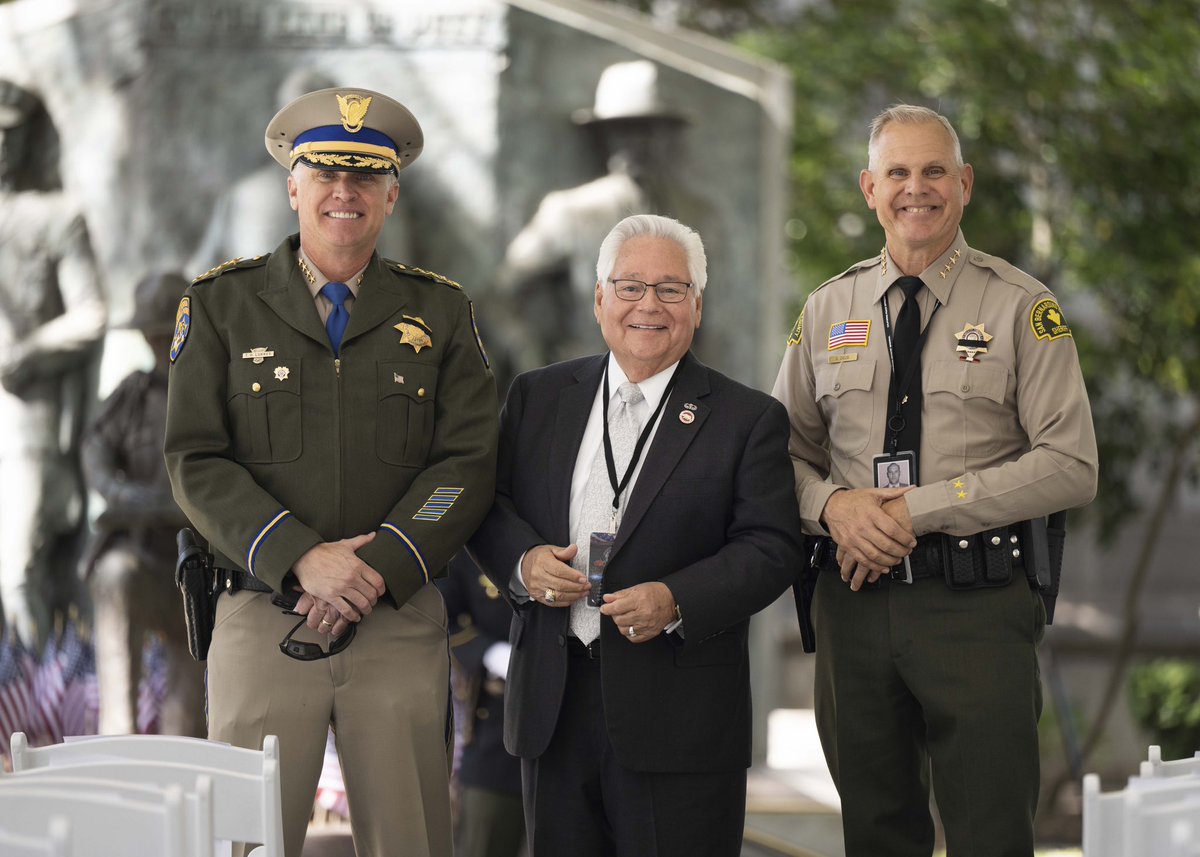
1081	120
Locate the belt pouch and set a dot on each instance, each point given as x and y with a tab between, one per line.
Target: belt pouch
997	552
961	561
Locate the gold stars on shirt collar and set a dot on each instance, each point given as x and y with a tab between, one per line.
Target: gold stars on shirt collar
942	273
312	280
953	261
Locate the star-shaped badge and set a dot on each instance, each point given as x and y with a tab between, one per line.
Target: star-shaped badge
972	339
411	334
281	373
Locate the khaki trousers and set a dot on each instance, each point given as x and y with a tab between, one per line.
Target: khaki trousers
386	696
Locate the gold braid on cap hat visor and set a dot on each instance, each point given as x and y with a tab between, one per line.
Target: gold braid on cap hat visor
343	154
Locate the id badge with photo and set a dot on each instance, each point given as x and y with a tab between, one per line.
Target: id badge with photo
598	553
896	471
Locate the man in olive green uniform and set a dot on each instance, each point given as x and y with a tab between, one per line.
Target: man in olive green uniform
926	629
331	431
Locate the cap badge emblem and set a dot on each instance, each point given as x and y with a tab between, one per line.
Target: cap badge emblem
354	111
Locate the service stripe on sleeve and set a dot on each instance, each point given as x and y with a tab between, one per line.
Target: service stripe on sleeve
398	533
283	515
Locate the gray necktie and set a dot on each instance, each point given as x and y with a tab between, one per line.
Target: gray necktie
624	425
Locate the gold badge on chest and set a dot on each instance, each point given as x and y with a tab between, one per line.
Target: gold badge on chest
415	332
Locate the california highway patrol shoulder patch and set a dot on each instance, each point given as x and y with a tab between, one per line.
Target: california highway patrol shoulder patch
1047	320
183	325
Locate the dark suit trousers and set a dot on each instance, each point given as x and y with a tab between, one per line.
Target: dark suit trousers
580	801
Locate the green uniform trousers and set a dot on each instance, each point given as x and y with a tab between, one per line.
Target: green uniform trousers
386	695
914	677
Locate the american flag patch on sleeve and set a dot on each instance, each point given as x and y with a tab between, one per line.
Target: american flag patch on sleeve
849	333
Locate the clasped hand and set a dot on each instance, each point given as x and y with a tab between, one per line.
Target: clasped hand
552	581
338	587
873	531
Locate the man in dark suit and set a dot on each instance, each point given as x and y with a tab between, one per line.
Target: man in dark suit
632	717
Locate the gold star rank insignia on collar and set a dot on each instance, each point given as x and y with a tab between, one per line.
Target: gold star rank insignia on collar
414	332
972	339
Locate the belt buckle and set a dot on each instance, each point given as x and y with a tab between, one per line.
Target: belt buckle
902	573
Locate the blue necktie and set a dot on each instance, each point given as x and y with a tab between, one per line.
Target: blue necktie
335	325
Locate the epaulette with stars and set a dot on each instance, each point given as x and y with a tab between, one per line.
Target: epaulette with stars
232	264
421	272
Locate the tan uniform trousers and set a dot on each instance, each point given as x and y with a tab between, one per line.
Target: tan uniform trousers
386	696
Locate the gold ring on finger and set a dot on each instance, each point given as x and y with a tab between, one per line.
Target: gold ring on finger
551	596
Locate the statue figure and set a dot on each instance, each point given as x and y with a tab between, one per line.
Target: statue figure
52	318
130	561
549	268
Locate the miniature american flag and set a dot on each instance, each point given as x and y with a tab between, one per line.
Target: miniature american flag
849	333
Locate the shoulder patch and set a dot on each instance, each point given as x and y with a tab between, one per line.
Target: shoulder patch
1007	271
421	272
232	264
183	326
1047	320
797	330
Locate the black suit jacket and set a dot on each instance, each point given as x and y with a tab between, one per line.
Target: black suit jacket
713	515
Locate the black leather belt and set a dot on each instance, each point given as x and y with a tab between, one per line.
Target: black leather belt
577	648
925	560
233	579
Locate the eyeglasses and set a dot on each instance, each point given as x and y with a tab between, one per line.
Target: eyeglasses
305	651
633	290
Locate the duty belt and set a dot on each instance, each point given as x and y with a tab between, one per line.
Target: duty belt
964	562
233	579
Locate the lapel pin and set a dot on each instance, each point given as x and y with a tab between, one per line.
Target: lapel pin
686	417
689	406
397	377
281	373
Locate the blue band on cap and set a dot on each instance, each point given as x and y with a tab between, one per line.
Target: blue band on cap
336	133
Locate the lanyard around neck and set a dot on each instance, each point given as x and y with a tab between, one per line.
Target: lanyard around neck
618	487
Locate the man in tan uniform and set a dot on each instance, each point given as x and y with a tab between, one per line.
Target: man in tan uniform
926	630
331	431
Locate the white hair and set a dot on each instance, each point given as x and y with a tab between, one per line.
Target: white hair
654	226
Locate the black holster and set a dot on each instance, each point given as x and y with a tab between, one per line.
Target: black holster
803	589
197	584
1044	541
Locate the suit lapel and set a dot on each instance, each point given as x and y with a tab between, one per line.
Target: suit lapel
671	441
292	301
574	408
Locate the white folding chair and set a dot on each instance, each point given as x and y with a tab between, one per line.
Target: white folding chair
102	823
1155	766
1119	823
52	843
246	794
137	781
1163	824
